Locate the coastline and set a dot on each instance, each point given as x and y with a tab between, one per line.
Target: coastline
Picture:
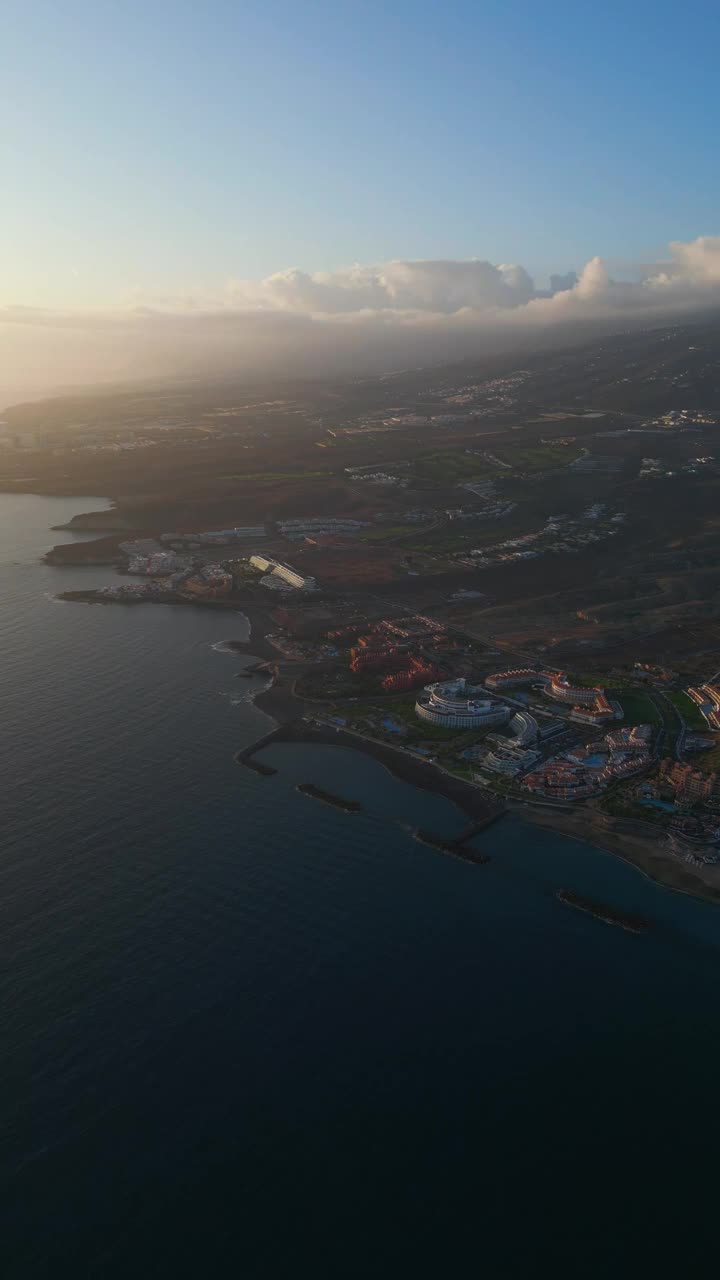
259	624
643	853
255	616
279	702
477	804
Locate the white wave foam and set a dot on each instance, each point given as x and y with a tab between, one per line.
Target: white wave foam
242	699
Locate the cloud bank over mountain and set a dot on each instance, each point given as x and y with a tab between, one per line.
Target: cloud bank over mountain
448	288
442	287
363	318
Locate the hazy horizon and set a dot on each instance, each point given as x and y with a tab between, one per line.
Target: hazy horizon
325	187
364	319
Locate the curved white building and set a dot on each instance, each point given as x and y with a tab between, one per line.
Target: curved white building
589	706
452	704
559	687
525	728
510	760
518	676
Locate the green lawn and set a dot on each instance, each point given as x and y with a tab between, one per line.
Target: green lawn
620	805
689	711
403	710
447	468
591	680
639	709
484	533
541	458
465	772
601	679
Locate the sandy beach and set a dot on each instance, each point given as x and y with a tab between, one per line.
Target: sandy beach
647	853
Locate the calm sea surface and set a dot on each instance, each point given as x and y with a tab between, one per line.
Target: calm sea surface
243	1033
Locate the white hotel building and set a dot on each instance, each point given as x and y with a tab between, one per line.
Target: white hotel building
278	573
452	704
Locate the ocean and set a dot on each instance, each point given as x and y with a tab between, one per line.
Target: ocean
245	1033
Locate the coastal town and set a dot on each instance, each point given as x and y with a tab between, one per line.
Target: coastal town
636	752
500	580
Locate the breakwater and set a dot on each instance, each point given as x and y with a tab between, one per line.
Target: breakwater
257	766
328	797
483	809
247	755
456	848
601	911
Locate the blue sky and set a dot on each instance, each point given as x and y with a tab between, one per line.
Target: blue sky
168	147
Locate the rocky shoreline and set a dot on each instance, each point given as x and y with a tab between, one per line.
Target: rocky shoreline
261	625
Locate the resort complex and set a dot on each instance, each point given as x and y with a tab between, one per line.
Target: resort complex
501	680
543	737
679	779
707	698
589	706
588	770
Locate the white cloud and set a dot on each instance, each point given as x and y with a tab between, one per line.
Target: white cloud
363	317
438	286
443	289
699	260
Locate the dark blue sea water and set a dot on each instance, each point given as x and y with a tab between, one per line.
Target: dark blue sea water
244	1033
